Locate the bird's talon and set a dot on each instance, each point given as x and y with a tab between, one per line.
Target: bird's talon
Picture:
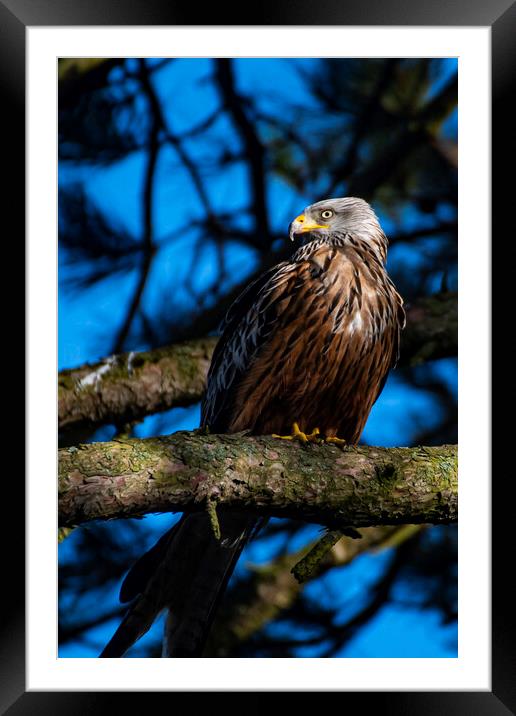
335	441
298	434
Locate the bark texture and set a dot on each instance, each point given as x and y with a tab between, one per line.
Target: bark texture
324	484
128	387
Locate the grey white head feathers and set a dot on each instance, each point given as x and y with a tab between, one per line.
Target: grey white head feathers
338	218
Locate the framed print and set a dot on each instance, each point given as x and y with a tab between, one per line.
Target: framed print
162	151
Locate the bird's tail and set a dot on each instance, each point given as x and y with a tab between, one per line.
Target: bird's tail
186	572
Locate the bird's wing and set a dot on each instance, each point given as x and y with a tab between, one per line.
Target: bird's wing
245	330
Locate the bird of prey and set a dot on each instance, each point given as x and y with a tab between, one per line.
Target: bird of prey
304	353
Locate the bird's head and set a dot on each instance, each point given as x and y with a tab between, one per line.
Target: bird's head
340	217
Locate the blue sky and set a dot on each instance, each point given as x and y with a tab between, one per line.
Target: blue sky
89	318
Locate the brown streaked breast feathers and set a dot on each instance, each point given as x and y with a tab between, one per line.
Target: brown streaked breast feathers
312	341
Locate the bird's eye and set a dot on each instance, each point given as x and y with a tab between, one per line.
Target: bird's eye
327	214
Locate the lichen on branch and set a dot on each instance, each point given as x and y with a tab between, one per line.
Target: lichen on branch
323	484
128	387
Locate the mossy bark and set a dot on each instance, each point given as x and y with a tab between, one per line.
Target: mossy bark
324	484
128	387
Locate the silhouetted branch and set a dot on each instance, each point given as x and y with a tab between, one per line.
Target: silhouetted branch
191	167
148	200
253	148
362	126
431	331
413	132
70	632
444	227
339	634
271	589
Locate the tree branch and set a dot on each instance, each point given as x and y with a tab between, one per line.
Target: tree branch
148	204
414	130
253	148
130	386
359	486
338	634
271	589
431	332
123	388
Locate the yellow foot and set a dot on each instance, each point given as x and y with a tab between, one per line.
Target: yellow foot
335	440
298	434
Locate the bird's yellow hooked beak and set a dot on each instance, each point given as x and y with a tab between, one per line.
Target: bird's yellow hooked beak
300	225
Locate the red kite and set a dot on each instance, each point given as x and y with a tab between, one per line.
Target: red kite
304	353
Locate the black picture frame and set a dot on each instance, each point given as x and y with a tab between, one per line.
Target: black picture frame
500	15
